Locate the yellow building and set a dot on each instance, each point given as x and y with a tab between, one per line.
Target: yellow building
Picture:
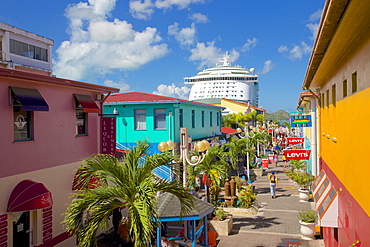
339	73
232	106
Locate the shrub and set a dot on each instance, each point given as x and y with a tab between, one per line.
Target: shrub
308	216
220	214
246	198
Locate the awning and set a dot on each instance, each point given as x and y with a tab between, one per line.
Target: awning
87	103
326	199
28	99
29	195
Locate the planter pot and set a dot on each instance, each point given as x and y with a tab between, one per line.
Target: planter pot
304	195
307	230
223	227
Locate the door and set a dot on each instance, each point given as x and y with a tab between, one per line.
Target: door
21	229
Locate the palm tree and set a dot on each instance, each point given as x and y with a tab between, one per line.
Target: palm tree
236	149
129	183
214	165
254	117
235	120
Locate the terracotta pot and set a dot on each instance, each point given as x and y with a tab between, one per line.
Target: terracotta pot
307	230
232	187
227	188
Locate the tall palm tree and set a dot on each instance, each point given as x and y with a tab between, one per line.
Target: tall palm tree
254	117
129	183
214	165
236	149
235	120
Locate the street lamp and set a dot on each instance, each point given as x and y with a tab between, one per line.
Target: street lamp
201	147
166	146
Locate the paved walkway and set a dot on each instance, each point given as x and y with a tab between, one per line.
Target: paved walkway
276	223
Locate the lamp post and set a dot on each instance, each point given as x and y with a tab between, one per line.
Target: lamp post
201	147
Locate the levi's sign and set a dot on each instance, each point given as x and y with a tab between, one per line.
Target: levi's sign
295	141
297	154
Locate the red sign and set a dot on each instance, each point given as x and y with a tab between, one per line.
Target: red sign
297	154
265	163
108	135
295	141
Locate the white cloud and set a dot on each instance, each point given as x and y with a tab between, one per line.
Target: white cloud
97	46
315	16
123	86
173	91
185	36
268	65
313	28
144	9
181	4
250	44
282	49
207	54
199	18
296	52
141	10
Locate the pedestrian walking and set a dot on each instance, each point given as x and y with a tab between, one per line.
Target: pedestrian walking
276	158
273	184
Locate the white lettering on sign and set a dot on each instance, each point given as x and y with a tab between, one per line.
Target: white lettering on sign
108	135
297	155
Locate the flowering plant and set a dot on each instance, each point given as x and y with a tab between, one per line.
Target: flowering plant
302	178
308	216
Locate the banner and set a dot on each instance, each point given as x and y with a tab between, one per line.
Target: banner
108	135
297	154
293	141
301	121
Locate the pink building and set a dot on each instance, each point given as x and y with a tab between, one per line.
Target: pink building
48	125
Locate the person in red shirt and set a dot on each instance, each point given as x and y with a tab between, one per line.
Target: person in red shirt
212	236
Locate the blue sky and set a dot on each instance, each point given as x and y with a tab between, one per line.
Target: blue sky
151	45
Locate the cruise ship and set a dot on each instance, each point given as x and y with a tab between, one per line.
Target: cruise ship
224	81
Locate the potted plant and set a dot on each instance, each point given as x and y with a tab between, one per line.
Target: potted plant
308	219
222	222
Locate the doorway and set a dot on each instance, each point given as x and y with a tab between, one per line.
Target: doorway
21	229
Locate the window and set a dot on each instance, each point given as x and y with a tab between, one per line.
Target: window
192	118
354	82
327	97
344	88
218	119
25	101
334	94
81	122
210	119
27	50
140	119
181	120
22	124
202	118
322	100
160	119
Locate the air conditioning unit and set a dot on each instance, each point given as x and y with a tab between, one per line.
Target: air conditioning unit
99	96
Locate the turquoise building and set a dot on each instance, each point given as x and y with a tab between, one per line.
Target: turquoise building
156	118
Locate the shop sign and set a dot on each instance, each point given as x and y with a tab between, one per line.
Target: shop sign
292	141
108	135
297	154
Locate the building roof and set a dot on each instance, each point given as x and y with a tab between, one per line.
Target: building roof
246	104
148	98
225	130
16	75
169	208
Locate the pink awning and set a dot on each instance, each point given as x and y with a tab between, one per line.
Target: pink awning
29	195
